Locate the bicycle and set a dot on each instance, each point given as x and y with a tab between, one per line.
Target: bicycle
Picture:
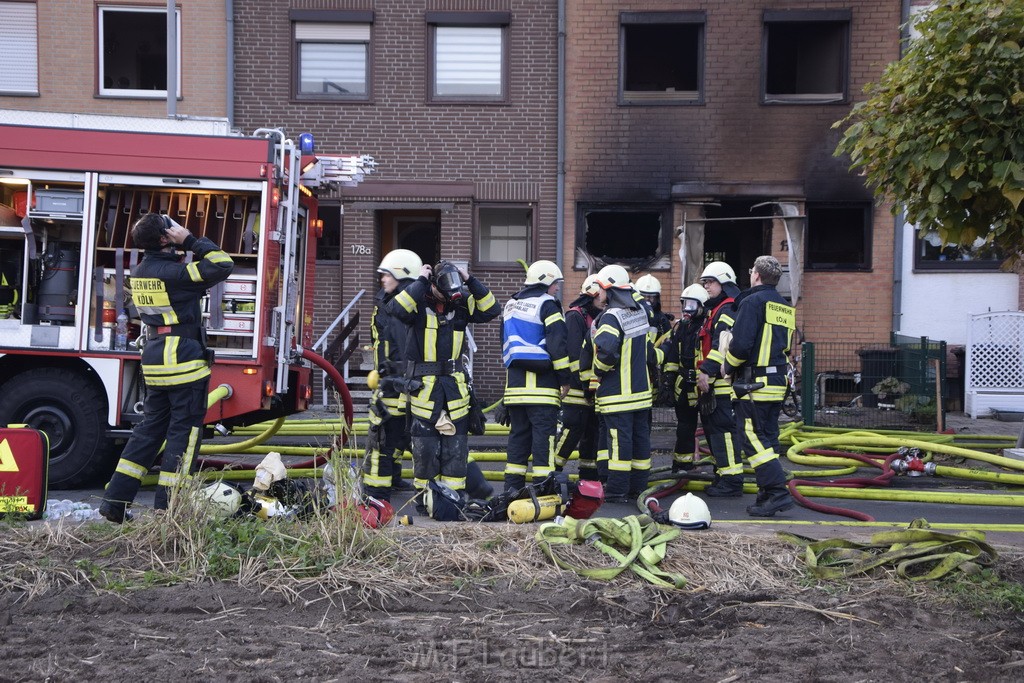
791	402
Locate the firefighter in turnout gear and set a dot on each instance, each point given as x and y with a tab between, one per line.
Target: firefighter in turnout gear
681	369
649	287
533	349
436	308
8	295
388	438
175	365
619	356
714	392
579	420
757	359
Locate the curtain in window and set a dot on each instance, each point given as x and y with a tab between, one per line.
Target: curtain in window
18	48
468	60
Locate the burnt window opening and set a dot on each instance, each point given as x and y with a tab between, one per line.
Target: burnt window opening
737	242
662	58
838	236
631	237
328	246
806	61
133	52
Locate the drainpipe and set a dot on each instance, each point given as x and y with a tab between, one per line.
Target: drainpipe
229	12
560	182
172	61
900	218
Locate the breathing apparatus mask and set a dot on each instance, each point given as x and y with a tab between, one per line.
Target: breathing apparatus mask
449	282
691	308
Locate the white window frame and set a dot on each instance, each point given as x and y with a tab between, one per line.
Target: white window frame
507	239
19	48
101	39
312	33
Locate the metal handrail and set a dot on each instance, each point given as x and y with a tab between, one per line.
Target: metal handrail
320	344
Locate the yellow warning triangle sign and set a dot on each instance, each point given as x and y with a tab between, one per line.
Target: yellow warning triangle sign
7	461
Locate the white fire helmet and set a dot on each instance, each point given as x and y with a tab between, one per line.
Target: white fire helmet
543	272
613	276
648	285
695	292
719	270
590	285
222	500
401	264
692	301
689	512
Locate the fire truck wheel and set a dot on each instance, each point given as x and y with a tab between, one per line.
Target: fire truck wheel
71	409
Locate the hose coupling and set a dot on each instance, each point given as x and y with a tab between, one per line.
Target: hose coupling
913	466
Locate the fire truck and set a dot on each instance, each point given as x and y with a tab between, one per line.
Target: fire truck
69	362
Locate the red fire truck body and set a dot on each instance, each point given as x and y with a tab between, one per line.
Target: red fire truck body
68	198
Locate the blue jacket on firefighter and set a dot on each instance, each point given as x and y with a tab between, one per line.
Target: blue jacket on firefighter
533	338
168	294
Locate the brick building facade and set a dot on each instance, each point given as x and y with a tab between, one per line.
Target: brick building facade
103	58
732	132
466	162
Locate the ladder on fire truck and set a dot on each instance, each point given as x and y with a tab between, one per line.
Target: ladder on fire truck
291	177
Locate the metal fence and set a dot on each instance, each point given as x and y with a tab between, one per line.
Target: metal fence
900	385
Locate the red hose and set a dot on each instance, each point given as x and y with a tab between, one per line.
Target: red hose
339	382
346	402
882	479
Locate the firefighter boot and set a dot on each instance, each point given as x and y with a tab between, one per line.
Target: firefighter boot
476	484
770	501
773	496
729	486
114	511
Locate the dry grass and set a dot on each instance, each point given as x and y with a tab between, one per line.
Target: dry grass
332	557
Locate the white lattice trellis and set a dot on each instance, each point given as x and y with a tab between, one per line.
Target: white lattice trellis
994	375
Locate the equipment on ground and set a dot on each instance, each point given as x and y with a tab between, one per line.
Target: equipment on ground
689	512
222	499
24	457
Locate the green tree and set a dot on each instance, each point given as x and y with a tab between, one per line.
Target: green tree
942	131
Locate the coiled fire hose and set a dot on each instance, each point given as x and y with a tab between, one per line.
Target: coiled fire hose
635	543
917	554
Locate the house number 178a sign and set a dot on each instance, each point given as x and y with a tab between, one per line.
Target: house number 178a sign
360	249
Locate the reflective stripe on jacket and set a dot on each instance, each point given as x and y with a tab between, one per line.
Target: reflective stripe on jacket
761	338
167	292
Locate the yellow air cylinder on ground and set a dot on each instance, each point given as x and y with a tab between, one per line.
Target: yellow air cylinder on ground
524	511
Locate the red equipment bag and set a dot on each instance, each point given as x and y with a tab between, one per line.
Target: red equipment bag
587	497
24	456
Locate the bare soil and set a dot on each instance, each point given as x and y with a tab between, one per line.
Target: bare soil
484	626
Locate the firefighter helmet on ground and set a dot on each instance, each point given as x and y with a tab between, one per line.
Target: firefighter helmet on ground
720	271
543	272
401	264
613	277
648	285
689	512
590	286
223	500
